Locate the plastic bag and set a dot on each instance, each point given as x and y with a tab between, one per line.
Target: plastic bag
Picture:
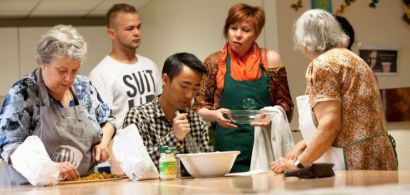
128	148
32	161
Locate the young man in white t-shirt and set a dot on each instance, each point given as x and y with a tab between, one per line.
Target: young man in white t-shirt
123	78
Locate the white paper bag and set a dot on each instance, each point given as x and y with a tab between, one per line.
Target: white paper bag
128	148
31	160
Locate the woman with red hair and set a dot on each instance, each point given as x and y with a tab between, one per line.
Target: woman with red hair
241	76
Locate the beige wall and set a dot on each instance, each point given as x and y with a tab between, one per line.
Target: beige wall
9	58
193	26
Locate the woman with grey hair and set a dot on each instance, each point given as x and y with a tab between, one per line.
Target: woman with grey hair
60	107
341	116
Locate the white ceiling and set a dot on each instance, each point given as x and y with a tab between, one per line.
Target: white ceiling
60	8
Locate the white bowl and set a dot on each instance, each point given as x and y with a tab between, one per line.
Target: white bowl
248	116
211	164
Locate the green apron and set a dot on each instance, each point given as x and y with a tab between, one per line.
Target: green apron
241	95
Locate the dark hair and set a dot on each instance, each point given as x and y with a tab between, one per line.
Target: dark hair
116	8
243	12
347	28
173	64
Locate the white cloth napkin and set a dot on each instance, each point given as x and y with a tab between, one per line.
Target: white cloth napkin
272	142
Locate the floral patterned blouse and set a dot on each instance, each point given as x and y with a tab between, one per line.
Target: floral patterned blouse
340	75
209	96
20	114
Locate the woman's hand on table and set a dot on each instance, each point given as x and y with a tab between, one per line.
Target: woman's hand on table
100	152
296	151
292	155
67	171
283	165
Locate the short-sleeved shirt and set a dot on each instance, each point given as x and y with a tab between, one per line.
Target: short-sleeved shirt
123	86
342	76
156	130
20	114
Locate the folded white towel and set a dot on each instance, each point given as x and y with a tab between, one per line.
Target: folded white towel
272	142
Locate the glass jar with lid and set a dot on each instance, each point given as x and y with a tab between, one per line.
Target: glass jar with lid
167	163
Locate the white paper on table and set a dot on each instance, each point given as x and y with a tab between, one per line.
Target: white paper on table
128	148
32	161
248	173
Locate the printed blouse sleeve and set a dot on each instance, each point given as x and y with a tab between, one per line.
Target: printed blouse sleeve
323	83
279	90
102	111
16	117
206	93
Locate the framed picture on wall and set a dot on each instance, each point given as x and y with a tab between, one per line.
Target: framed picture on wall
396	104
381	58
322	4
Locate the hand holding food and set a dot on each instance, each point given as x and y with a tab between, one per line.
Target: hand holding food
100	153
67	171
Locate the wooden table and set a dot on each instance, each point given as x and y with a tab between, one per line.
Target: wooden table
260	183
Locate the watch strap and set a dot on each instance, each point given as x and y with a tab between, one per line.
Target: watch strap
298	164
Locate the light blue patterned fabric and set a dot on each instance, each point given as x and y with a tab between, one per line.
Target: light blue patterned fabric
20	114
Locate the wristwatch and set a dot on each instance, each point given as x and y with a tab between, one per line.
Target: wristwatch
298	164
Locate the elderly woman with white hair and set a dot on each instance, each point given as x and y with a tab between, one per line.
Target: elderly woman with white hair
341	116
60	107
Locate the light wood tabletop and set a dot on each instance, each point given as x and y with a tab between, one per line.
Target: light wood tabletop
261	183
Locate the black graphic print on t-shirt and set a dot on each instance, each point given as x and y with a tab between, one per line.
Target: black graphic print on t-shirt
140	83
